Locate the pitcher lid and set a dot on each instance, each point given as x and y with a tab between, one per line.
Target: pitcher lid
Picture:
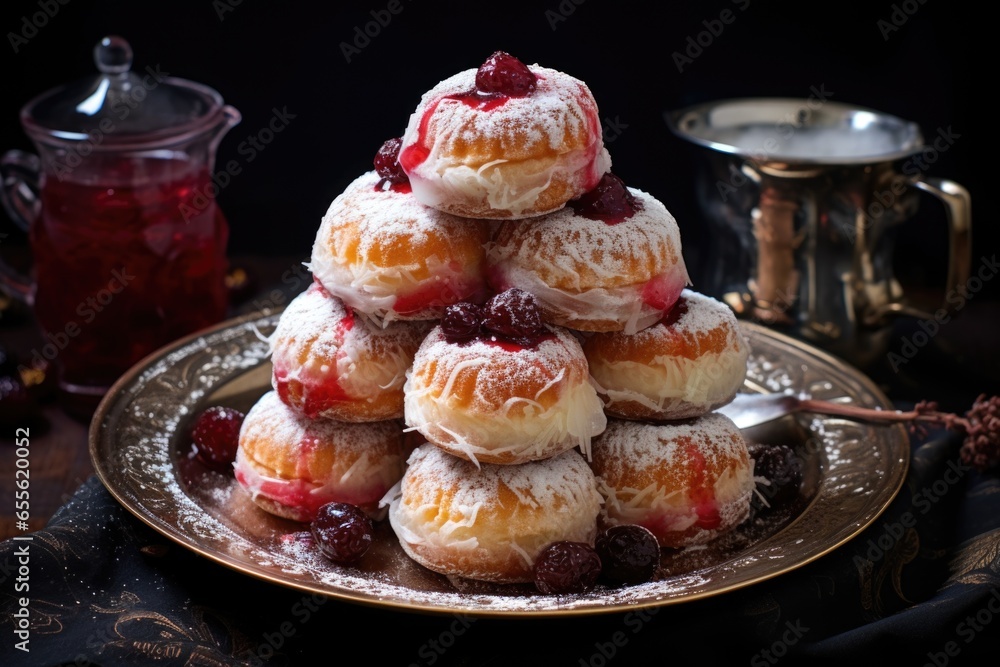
125	107
797	131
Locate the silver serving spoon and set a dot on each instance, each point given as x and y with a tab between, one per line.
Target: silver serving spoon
748	410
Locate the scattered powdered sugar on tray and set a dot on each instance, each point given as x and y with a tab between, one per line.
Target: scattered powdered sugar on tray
141	453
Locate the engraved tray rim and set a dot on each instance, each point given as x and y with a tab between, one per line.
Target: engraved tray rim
159	392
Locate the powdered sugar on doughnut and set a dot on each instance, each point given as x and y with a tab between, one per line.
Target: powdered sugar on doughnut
672	371
687	481
483	402
301	464
599	276
491	523
390	257
329	363
502	161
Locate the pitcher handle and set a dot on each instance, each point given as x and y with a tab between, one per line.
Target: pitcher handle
958	212
19	186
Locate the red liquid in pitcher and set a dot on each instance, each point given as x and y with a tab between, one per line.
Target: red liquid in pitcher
122	270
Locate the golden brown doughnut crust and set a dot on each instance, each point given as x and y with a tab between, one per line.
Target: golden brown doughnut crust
485	402
386	255
292	465
524	157
490	523
329	363
689	363
688	482
597	276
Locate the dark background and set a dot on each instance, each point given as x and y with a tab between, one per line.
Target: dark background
262	55
267	55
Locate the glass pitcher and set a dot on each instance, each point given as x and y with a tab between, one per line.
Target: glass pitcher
128	245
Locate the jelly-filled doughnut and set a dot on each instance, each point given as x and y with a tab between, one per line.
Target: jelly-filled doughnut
491	523
292	465
505	397
328	362
390	257
504	141
687	482
689	363
610	261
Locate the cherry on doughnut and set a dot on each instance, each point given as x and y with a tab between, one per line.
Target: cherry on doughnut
513	314
461	322
504	74
387	162
610	201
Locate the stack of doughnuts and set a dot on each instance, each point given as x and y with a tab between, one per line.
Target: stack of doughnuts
492	287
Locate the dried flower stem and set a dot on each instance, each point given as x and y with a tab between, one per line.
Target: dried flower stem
981	424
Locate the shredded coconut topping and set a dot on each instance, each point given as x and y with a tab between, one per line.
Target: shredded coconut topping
663	476
491	522
675	371
304	463
594	278
376	247
337	358
484	402
505	158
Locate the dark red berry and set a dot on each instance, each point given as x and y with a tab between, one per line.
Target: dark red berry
567	567
514	314
216	436
672	316
504	74
610	201
629	554
461	322
387	162
782	469
343	532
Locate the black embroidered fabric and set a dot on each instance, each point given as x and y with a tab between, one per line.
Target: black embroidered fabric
920	586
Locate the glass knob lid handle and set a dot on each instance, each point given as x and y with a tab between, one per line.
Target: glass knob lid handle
113	55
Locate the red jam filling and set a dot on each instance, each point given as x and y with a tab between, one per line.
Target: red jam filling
702	493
